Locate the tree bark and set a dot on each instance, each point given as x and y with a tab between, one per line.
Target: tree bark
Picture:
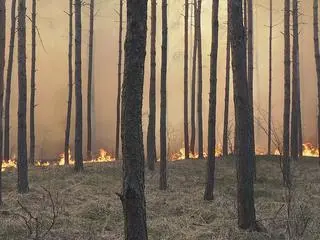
163	92
2	64
78	89
250	82
270	78
226	94
151	137
23	185
133	199
286	112
295	112
6	155
186	35
317	58
119	81
245	197
208	195
33	84
70	87
200	122
89	93
193	82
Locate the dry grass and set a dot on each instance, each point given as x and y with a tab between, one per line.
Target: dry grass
88	207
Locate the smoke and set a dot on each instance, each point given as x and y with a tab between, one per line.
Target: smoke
52	72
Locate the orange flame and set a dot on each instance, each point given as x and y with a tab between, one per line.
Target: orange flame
181	154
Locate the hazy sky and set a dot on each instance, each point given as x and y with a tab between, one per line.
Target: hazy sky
52	71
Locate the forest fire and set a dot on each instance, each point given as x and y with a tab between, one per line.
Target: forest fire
103	156
309	150
181	154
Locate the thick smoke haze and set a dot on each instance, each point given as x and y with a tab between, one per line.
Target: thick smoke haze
52	72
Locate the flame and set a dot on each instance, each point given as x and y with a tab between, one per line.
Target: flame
103	156
181	154
309	150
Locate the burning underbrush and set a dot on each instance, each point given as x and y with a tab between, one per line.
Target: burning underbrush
102	156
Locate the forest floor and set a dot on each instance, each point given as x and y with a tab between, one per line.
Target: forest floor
87	206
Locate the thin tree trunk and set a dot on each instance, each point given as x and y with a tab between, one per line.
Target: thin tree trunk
70	90
23	185
250	82
89	96
317	58
119	81
186	35
227	94
6	155
245	175
296	111
163	92
200	122
208	195
2	64
33	84
270	79
78	90
193	83
286	113
133	198
151	137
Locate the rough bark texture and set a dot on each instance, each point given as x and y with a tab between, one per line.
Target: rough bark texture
70	86
2	63
317	57
245	196
89	89
286	112
186	35
163	105
208	194
23	185
193	83
119	81
270	78
200	121
6	154
250	80
133	199
295	84
78	89
226	95
151	137
33	83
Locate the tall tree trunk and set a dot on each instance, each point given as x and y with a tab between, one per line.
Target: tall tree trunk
70	88
270	79
245	197
78	90
6	155
186	35
200	122
151	138
2	63
295	118
226	94
208	195
89	96
317	58
133	198
119	81
163	92
23	185
33	84
250	81
286	112
193	82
